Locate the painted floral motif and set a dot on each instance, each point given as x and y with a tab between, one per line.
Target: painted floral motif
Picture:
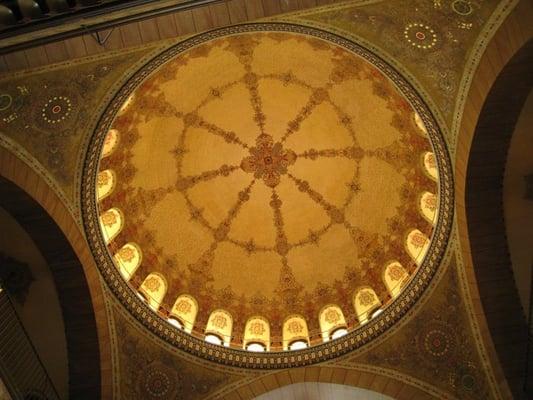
431	202
257	328
366	298
268	160
295	327
103	179
395	272
219	321
332	316
126	254
152	284
418	240
109	219
183	306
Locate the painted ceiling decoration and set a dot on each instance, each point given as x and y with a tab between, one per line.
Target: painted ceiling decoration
267	171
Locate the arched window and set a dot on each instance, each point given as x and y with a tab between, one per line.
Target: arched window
366	301
105	183
128	259
331	320
419	123
257	334
220	325
417	245
110	142
430	165
111	223
428	206
394	276
295	333
126	104
185	310
154	288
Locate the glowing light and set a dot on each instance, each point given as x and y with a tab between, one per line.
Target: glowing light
256	347
298	345
213	339
339	333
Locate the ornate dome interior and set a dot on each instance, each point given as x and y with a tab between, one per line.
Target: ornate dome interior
269	189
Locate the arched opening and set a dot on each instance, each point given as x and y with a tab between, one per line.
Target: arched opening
83	350
487	231
295	333
219	328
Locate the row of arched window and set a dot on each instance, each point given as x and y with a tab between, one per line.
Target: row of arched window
257	334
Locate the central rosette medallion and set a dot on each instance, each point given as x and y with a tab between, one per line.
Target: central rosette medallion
268	160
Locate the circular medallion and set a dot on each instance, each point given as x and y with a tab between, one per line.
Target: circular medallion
258	167
56	109
462	7
436	341
420	35
158	382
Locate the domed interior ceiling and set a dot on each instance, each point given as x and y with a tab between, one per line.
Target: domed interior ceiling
269	174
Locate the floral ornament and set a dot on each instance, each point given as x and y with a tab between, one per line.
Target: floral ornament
219	321
152	284
103	179
257	328
418	240
332	316
395	272
126	254
268	160
109	218
183	306
366	298
431	202
295	327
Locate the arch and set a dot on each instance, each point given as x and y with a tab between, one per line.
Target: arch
128	259
365	302
185	308
496	96
105	183
154	288
429	161
352	377
111	223
111	142
322	391
417	245
395	277
257	330
37	208
428	206
331	319
295	331
420	124
220	324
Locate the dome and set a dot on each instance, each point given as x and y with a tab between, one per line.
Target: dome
270	186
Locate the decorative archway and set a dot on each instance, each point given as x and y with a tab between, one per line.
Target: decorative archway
35	206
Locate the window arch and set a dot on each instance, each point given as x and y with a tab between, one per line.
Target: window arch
153	289
295	333
394	276
419	123
417	245
430	165
331	320
428	206
185	309
257	331
219	325
105	183
110	142
365	302
111	223
128	259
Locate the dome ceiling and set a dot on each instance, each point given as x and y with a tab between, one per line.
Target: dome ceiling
271	175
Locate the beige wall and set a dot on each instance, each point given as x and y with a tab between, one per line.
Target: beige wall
41	313
518	210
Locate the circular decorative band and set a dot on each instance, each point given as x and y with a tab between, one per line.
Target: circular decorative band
270	360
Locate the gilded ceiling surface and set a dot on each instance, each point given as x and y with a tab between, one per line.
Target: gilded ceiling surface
269	174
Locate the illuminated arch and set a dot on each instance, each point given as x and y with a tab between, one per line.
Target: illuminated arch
185	308
365	301
128	259
394	276
430	165
257	331
428	206
419	123
295	333
153	289
331	320
105	183
417	245
110	143
111	223
219	325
